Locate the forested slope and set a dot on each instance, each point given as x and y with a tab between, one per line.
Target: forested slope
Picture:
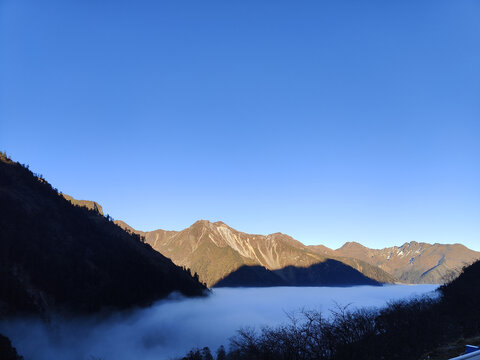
55	256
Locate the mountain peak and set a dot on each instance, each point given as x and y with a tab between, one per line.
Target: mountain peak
208	222
200	223
352	245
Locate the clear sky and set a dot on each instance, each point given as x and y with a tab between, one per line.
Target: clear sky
330	121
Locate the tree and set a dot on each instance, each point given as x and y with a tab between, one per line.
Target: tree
221	354
193	355
206	354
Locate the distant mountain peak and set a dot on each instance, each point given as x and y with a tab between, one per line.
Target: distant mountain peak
351	245
201	222
415	262
278	234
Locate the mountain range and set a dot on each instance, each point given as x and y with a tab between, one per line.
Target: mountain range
62	254
214	250
412	262
57	252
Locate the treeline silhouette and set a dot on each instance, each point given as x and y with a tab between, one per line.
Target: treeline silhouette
58	257
206	354
7	351
402	330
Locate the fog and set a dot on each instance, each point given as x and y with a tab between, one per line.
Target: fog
170	328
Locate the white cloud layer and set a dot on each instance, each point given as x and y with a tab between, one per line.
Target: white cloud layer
170	328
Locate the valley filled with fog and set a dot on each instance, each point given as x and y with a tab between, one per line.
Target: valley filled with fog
170	328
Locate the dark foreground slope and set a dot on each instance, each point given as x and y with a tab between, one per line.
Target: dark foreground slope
462	298
66	258
404	330
7	351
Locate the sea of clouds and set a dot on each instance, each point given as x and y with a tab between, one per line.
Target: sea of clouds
170	328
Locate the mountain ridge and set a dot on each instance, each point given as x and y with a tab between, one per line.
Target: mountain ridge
214	250
57	257
440	262
412	262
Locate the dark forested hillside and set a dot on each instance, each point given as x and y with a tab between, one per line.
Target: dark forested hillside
462	298
67	258
7	351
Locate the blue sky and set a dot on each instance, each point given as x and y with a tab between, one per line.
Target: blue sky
330	121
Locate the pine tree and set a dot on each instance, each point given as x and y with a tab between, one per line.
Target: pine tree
221	354
206	354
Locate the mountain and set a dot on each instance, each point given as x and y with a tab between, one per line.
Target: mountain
71	259
215	250
413	262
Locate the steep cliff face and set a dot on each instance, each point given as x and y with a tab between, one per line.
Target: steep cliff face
413	262
60	257
215	250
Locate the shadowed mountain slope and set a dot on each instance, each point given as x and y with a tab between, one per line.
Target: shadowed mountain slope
251	276
412	262
327	273
66	258
215	250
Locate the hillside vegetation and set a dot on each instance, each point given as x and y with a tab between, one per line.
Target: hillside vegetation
58	257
